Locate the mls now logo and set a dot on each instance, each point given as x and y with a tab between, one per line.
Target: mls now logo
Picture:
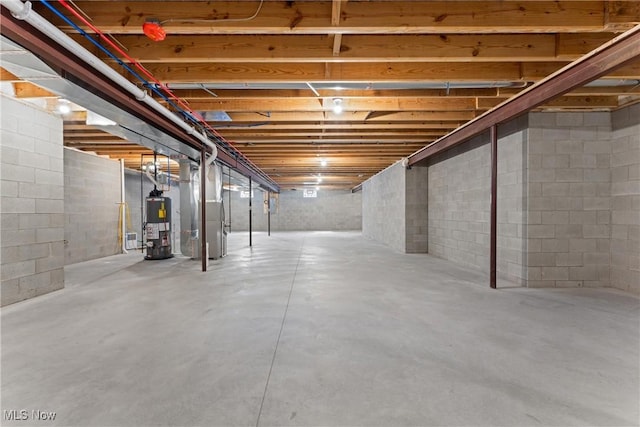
24	415
15	415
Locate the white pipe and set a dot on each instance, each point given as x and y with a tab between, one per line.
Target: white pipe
123	209
24	12
147	172
210	160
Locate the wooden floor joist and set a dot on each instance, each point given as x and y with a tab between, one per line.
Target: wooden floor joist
406	72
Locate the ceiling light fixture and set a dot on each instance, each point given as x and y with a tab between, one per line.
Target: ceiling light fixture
337	105
64	106
153	29
323	162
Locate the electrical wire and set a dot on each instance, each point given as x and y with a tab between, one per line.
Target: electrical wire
102	48
216	21
131	60
157	87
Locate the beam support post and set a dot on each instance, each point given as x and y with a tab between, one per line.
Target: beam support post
268	213
250	213
203	208
493	136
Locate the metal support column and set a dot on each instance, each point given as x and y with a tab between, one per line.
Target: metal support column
142	208
268	213
250	214
123	209
493	135
203	208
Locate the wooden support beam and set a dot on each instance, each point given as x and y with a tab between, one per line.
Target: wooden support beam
570	102
335	12
29	90
6	76
586	91
337	46
572	46
217	49
312	126
352	116
622	15
338	140
335	21
343	150
327	144
537	71
350	72
353	104
318	133
347	154
314	17
615	54
420	116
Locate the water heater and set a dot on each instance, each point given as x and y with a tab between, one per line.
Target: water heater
158	228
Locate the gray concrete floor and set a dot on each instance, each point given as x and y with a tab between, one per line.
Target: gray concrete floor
317	329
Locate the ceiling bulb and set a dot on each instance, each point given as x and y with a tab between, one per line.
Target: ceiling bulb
153	29
337	105
63	106
323	162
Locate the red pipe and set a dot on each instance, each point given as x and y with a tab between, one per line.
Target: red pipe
139	66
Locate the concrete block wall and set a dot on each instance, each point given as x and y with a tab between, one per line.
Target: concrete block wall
394	208
416	210
625	199
91	198
32	202
459	203
569	200
332	210
511	214
384	207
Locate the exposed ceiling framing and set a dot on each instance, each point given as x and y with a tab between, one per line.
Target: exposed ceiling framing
407	72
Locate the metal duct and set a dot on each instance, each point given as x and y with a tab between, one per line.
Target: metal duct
80	74
25	65
23	11
189	185
214	183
